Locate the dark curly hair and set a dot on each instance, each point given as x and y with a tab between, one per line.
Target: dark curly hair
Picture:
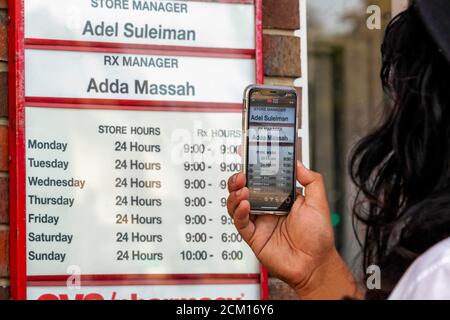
402	168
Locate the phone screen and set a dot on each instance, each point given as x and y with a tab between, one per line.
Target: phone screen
271	149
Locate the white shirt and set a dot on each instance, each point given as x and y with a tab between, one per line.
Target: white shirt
428	278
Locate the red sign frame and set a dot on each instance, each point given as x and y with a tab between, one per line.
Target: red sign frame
17	181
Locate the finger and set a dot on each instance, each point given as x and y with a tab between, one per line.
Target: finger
240	150
297	204
315	193
242	221
235	198
237	181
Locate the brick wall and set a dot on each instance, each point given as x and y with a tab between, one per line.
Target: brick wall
281	19
282	67
4	212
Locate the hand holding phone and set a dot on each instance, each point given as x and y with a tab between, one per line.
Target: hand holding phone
292	237
270	138
299	247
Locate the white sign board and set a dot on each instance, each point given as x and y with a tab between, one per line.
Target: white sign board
174	23
132	192
71	74
132	127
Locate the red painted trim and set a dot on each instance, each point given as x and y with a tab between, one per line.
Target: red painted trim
145	279
126	277
91	46
132	108
264	278
227	1
259	42
17	134
17	151
59	283
137	103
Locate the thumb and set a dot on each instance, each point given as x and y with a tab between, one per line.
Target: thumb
315	193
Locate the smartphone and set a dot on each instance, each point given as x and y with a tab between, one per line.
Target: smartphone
270	126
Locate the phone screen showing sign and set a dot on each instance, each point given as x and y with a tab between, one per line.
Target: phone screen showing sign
271	152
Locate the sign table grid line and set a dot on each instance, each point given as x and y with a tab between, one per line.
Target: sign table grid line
67	142
110	47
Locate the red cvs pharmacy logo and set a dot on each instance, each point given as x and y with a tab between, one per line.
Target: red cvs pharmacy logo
78	296
133	296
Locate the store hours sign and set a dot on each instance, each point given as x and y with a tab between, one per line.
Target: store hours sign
127	118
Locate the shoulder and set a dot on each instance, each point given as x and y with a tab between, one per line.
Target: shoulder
428	277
